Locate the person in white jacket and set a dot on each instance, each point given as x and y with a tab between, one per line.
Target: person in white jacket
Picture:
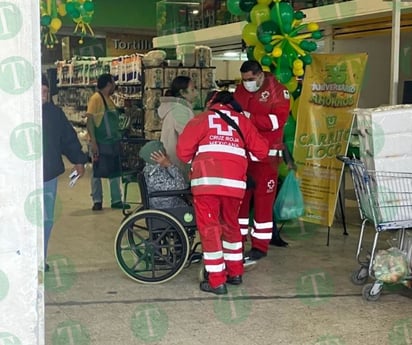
175	111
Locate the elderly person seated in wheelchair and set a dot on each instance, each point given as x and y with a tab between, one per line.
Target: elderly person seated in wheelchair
162	175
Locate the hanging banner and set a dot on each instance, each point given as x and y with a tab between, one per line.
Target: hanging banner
330	92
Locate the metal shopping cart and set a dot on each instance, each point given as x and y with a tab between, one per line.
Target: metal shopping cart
385	201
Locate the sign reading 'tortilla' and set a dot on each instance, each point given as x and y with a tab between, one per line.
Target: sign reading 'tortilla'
330	92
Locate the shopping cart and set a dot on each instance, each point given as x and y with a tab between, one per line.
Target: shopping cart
385	201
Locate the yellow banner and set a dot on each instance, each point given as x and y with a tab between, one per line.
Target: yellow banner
330	92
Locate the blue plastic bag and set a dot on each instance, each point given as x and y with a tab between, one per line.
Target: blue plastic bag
289	201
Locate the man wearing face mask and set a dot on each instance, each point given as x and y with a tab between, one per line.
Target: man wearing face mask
266	102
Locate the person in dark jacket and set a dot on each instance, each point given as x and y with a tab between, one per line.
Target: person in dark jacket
59	138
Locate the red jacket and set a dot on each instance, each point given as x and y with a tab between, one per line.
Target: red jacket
217	152
268	109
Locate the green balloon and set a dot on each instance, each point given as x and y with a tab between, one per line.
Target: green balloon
74	14
283	74
247	5
266	60
286	13
233	7
317	35
307	59
268	27
268	48
249	53
88	6
70	7
299	15
45	20
297	92
265	38
305	45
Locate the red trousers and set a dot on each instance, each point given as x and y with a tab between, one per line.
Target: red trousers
265	176
217	223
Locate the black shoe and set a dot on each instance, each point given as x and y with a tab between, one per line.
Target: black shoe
195	258
97	206
235	280
120	205
255	254
278	242
219	290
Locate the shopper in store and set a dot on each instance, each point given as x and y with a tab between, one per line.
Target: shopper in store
175	110
217	142
162	175
59	138
103	128
266	102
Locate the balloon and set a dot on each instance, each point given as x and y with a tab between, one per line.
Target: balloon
259	14
249	34
75	14
61	10
313	27
286	13
297	92
247	5
266	60
259	52
317	35
55	25
249	52
88	6
266	30
268	48
233	7
283	74
45	20
298	64
70	7
87	19
299	15
307	59
265	2
276	52
292	85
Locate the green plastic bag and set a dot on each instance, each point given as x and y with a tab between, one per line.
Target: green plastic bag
289	201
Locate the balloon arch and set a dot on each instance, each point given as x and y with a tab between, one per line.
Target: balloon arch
276	37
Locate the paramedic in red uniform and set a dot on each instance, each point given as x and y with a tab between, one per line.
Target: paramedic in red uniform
218	155
266	102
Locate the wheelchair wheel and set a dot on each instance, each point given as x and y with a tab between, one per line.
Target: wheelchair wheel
151	247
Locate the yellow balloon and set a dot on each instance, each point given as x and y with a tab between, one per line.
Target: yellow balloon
298	72
298	64
277	52
264	2
259	52
292	85
259	14
55	25
249	34
313	27
295	108
61	10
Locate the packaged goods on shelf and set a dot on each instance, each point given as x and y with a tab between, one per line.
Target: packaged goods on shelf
195	75
203	56
152	135
154	77
152	98
186	53
208	78
152	121
183	71
169	75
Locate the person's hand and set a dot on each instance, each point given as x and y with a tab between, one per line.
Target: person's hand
162	159
79	168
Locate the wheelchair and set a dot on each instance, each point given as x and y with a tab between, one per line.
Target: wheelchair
152	246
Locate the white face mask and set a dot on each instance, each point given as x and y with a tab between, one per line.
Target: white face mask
251	85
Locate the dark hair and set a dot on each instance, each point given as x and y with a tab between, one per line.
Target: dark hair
226	98
251	66
103	80
44	80
181	82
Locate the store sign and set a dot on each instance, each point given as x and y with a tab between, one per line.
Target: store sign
117	45
330	92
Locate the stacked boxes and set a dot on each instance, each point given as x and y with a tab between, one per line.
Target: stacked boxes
385	138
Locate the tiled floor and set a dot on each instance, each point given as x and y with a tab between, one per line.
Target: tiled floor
300	295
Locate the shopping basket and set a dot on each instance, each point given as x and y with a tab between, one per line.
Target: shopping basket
385	201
